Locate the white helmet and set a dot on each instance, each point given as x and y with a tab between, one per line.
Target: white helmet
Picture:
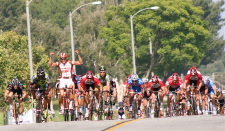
134	77
144	80
206	80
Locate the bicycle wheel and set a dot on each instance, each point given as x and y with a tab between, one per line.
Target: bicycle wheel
38	111
101	109
66	111
15	113
134	110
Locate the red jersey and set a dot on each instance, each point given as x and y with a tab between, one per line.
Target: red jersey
197	78
157	86
85	84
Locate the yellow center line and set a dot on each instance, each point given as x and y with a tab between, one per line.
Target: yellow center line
121	124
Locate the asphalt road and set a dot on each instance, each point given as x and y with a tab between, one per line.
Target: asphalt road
187	123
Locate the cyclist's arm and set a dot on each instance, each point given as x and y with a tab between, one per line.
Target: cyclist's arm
79	62
185	84
101	87
50	63
6	93
24	93
200	85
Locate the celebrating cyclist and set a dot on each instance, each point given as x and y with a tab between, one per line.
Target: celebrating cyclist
65	67
88	84
13	88
105	81
134	86
156	85
193	83
174	84
42	82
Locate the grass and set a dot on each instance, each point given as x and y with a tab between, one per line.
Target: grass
1	118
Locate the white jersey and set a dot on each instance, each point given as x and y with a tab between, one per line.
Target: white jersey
65	70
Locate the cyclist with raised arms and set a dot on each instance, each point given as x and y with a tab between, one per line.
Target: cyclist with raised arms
174	84
65	67
155	84
42	81
134	86
15	87
89	83
194	78
105	81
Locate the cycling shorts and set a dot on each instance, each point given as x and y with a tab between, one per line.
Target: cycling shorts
210	91
64	82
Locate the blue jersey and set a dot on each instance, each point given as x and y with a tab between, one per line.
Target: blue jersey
135	86
210	87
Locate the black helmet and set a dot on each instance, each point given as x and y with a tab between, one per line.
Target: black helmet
40	72
15	81
102	68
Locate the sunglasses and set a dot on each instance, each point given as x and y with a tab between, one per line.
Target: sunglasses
102	72
63	58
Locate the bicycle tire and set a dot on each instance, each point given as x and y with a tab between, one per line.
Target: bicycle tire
66	112
101	109
39	110
15	113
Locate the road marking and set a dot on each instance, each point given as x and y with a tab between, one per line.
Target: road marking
121	124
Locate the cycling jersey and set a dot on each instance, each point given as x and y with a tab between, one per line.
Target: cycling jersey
210	87
155	87
17	91
135	86
195	80
87	85
103	80
41	83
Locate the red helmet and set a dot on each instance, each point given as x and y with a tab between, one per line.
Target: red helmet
193	71
128	77
89	75
175	74
63	55
155	79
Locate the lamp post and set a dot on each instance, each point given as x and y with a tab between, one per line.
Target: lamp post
132	33
71	26
29	38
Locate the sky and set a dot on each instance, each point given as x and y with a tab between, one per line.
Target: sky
222	30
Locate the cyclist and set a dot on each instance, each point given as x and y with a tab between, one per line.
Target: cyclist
174	84
211	91
77	99
155	84
15	87
125	84
105	81
121	112
113	90
87	84
41	81
65	67
193	78
221	100
134	86
145	94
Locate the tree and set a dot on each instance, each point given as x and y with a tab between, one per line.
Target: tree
177	29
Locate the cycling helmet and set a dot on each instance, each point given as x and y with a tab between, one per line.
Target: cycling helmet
193	71
134	77
89	75
63	56
175	74
206	80
120	103
128	77
155	79
102	68
144	80
15	81
40	72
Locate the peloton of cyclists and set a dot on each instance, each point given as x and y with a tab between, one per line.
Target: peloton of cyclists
65	67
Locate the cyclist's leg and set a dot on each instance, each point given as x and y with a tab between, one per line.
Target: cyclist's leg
131	97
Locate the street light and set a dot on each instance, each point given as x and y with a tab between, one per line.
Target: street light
71	26
132	33
29	38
